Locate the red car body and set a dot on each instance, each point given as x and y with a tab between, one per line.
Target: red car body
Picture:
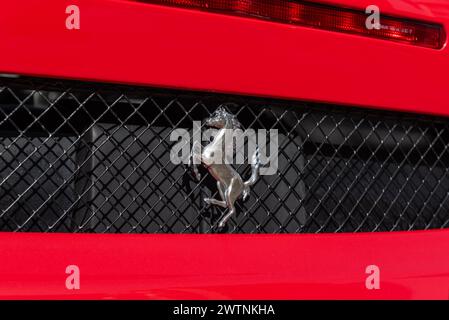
131	42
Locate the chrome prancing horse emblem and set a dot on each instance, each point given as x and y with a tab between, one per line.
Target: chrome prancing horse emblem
229	183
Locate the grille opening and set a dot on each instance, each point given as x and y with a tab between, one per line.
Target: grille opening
87	157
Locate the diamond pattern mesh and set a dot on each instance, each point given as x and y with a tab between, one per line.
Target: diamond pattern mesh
84	157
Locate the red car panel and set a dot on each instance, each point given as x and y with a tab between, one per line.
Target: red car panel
413	265
139	43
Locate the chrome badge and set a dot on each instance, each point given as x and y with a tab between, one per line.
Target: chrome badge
215	158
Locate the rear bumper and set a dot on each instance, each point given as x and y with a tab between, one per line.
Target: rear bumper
413	265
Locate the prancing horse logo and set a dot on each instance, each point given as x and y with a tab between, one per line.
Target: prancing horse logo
229	183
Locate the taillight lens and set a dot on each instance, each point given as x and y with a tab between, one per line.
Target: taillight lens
324	17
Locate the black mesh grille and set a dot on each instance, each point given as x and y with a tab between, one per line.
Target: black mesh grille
84	157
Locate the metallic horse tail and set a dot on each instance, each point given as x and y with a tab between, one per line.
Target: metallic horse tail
255	164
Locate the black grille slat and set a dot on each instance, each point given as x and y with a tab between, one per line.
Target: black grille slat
88	157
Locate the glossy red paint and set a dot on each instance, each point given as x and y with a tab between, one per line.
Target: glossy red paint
414	265
139	43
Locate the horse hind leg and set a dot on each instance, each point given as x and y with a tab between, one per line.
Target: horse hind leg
228	216
221	190
230	199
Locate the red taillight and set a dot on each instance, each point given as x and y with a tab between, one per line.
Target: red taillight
323	17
